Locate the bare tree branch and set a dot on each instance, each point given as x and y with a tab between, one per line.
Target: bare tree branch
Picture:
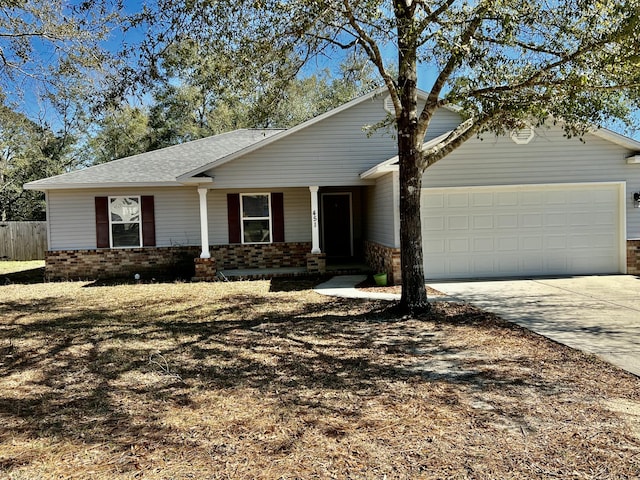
372	49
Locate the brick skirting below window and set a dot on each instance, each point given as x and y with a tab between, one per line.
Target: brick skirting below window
383	259
178	261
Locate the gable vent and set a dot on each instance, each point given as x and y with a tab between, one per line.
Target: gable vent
523	136
388	104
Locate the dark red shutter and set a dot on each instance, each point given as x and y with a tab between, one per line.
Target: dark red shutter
233	215
148	221
277	216
102	222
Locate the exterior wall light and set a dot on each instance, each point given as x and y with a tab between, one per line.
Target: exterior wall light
636	200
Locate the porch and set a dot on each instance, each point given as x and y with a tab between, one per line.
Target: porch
331	241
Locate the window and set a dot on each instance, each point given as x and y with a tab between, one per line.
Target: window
255	212
125	222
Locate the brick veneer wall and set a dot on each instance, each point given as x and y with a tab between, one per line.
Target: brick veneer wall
633	257
271	255
122	262
383	259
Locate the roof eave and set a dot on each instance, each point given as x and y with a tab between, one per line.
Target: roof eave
77	186
616	138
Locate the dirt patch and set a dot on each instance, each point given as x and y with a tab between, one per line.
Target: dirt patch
244	380
369	285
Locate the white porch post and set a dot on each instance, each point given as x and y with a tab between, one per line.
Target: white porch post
315	227
204	223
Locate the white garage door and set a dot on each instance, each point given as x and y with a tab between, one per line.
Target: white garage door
524	230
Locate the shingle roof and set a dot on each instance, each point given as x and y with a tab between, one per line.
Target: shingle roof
161	166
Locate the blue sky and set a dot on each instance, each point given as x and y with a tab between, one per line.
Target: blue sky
35	108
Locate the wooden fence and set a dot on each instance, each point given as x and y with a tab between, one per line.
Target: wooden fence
23	240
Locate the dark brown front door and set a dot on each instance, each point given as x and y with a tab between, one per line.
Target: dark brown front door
336	224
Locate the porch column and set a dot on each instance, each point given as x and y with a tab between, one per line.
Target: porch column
315	227
204	223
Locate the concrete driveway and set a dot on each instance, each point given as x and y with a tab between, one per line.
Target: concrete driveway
596	314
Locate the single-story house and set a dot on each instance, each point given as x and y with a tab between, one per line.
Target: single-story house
530	203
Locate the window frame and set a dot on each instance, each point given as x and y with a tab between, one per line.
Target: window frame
243	218
111	222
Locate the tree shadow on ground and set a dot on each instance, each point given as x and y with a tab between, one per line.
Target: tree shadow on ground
104	376
24	277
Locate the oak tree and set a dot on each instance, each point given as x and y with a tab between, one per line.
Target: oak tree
503	62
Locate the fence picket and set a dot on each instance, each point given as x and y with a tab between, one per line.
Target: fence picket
23	240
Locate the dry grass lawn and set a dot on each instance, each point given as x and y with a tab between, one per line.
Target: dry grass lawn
270	380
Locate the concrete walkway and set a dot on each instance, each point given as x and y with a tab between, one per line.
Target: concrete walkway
345	286
595	314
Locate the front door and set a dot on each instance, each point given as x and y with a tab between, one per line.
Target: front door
336	224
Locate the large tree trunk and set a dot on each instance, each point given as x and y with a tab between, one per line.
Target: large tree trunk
414	295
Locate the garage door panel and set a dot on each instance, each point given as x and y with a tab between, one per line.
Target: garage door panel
531	243
507	220
581	219
507	244
555	219
536	230
485	244
433	224
529	220
531	198
556	198
457	200
459	265
482	221
555	242
507	198
482	199
458	222
458	245
434	245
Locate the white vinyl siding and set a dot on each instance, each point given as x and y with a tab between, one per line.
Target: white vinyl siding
549	158
523	230
177	216
72	216
332	152
382	211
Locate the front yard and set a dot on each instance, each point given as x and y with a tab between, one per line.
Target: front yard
270	380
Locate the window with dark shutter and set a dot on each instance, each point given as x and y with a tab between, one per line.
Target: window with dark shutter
255	217
102	222
277	215
233	215
148	221
125	222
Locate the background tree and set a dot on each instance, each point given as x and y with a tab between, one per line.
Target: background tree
196	93
44	42
505	62
28	152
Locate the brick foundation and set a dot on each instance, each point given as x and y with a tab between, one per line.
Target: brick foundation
316	262
271	255
109	263
174	261
384	259
633	257
206	269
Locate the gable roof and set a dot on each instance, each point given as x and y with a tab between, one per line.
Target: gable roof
285	133
391	165
158	167
179	164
